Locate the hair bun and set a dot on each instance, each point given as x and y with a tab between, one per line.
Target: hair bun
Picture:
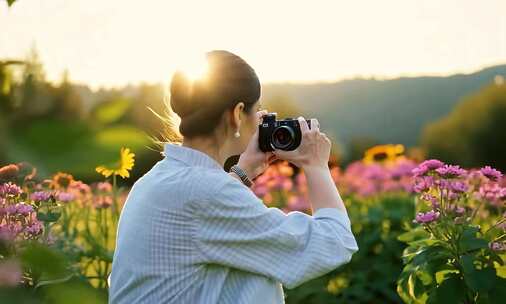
201	102
181	94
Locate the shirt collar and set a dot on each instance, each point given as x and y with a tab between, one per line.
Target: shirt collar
190	156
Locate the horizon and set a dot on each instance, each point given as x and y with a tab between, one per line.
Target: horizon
316	82
98	87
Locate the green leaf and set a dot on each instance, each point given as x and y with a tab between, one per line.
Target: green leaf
415	286
469	241
431	253
49	217
450	291
426	277
496	258
498	293
10	2
75	292
478	280
44	261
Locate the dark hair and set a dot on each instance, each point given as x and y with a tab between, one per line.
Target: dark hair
200	103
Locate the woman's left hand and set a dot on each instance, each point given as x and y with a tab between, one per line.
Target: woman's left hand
253	161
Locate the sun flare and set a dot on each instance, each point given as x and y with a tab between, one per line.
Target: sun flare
194	67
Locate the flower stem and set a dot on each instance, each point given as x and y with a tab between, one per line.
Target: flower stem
115	212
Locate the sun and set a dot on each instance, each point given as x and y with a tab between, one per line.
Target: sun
194	68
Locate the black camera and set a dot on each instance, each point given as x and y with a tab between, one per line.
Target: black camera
279	134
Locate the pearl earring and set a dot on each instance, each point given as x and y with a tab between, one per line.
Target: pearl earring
237	134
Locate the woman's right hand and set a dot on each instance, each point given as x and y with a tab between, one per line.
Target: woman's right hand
314	149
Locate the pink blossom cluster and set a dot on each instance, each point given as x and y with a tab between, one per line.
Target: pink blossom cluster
488	185
102	195
497	246
65	197
18	219
97	195
9	189
367	180
277	186
40	196
427	217
493	193
445	187
80	192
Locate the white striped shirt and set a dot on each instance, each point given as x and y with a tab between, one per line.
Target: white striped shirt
191	233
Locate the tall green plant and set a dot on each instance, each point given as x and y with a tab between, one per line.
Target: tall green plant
456	254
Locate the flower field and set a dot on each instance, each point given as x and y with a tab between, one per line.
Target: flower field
428	232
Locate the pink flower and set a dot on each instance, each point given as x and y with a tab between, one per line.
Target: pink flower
450	171
458	186
420	171
423	184
428	217
432	164
287	184
492	193
491	173
24	209
65	197
104	186
452	195
475	177
458	210
102	201
10	273
34	229
366	189
260	190
11	209
497	246
10	189
297	203
402	168
81	187
375	172
261	180
40	196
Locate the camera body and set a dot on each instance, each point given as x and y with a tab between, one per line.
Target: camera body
279	134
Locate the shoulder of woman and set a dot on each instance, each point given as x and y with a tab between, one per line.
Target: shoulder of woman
208	183
222	189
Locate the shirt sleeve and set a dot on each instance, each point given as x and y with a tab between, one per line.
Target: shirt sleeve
237	230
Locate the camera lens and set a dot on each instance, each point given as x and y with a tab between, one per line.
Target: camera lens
282	137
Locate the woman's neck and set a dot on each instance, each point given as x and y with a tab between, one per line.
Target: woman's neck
207	146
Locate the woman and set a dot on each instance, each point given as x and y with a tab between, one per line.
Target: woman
192	233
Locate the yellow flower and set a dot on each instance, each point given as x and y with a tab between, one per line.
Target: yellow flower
125	164
383	153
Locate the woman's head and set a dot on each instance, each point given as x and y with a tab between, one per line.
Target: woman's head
218	104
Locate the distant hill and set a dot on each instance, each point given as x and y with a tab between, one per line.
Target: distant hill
390	111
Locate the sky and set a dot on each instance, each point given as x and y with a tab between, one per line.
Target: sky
116	42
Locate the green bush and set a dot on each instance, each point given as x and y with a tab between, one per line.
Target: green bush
372	274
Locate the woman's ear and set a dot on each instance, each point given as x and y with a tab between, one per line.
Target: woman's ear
237	115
